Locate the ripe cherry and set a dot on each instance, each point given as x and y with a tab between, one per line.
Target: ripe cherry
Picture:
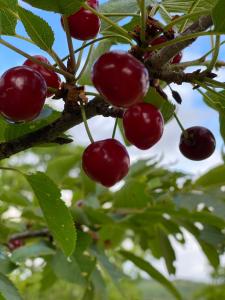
177	59
52	79
15	244
120	78
106	162
143	125
22	94
84	24
198	143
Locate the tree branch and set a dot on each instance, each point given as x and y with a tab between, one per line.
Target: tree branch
51	132
163	56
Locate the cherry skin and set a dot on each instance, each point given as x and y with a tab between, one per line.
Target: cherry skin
52	79
143	125
199	144
83	24
120	78
106	162
22	94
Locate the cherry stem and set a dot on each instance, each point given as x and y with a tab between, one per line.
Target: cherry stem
107	20
192	9
114	129
215	54
11	169
180	125
143	19
49	67
80	56
86	63
83	113
70	44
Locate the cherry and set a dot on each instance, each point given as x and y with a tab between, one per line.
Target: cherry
198	143
106	162
22	94
15	244
52	79
157	41
143	125
83	24
120	78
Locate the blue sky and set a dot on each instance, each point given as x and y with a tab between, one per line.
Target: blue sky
192	112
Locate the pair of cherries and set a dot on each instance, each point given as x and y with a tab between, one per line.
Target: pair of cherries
23	90
123	81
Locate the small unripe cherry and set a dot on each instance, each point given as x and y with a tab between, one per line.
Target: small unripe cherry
143	125
106	162
52	79
120	78
197	143
22	94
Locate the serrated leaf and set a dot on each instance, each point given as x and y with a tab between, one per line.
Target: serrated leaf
56	214
38	29
6	265
7	289
31	251
8	22
155	274
60	6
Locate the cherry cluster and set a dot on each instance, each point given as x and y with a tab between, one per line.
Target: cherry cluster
23	90
123	81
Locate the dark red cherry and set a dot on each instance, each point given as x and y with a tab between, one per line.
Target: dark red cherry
120	78
143	125
22	94
15	244
106	162
52	79
84	24
199	143
93	3
177	59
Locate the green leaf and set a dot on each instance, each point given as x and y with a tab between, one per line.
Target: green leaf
67	269
14	198
215	176
48	278
57	215
8	21
60	6
31	251
38	29
7	289
6	265
180	6
13	131
166	107
167	250
132	195
155	274
218	16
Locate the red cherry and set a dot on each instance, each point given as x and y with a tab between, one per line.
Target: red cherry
84	25
22	94
199	143
14	244
93	3
120	78
159	40
177	59
52	79
106	162
143	125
